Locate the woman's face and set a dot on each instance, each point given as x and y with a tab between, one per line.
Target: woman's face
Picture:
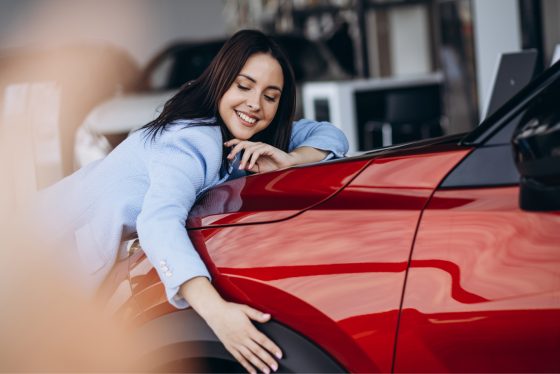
251	102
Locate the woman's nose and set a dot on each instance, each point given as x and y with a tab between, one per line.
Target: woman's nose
253	103
253	106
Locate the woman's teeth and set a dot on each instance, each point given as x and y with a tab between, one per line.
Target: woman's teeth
246	118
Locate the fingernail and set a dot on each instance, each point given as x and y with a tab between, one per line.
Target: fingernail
266	315
266	371
279	355
274	367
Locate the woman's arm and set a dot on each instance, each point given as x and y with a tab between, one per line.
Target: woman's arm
319	135
179	166
261	157
310	142
306	155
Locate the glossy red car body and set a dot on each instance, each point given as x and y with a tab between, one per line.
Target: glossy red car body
383	261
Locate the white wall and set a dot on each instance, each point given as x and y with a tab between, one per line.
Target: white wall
142	27
497	30
550	14
410	40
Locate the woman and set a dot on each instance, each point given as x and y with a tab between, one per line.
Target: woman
236	117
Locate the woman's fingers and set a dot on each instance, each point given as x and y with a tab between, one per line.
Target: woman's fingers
238	145
241	359
250	151
250	347
232	153
257	336
254	359
263	341
255	154
254	314
263	355
254	352
253	159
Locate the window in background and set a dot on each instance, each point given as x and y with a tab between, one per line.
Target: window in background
456	53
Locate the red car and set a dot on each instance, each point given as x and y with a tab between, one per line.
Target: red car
440	255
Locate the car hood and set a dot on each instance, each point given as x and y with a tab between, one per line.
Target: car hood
125	113
272	196
283	194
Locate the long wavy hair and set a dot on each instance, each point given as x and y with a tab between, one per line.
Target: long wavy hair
200	98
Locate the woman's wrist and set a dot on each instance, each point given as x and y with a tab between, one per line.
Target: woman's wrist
305	155
293	159
202	297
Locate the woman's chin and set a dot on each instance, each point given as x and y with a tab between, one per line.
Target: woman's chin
242	133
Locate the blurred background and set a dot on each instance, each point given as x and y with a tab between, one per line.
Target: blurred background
77	76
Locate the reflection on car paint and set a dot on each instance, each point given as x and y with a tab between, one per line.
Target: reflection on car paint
510	259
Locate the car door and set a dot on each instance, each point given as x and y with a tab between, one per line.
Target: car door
483	286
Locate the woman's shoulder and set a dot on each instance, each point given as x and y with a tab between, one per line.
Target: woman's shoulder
182	131
185	142
204	135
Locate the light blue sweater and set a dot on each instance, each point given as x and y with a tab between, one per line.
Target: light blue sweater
149	188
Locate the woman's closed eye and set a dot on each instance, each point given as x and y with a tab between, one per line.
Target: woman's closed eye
270	98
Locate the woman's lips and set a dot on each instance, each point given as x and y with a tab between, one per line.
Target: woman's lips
245	119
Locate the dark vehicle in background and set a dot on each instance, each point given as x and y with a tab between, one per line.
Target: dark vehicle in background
441	255
110	122
185	61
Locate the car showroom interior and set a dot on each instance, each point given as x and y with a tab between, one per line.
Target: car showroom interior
407	220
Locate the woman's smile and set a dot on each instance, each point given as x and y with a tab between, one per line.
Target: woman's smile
246	119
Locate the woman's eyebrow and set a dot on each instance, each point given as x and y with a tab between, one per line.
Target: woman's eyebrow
255	81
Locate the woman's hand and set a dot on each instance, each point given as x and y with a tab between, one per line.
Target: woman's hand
251	348
259	157
231	323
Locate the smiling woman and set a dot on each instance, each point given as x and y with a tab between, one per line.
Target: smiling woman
244	100
250	104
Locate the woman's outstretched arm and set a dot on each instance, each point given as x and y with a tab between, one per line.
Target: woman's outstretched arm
180	163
